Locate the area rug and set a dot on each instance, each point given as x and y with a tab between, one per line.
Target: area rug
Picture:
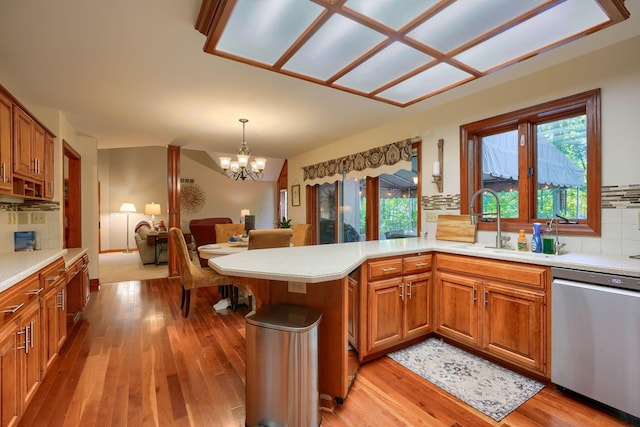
489	388
121	267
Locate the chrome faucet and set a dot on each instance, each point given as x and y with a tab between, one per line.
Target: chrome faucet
556	244
500	239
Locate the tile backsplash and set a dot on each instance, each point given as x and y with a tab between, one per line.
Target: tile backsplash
620	222
41	217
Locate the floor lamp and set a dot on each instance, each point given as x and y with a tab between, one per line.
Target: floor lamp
127	208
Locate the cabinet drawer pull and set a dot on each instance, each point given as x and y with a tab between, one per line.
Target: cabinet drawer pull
52	278
422	264
12	308
388	269
34	291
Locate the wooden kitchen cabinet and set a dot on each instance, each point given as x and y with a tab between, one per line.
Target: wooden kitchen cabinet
49	165
398	304
30	347
54	309
6	163
78	286
353	301
22	143
495	306
10	373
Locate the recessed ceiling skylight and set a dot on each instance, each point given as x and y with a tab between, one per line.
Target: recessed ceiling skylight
398	54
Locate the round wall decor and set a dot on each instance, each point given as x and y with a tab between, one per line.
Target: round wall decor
192	197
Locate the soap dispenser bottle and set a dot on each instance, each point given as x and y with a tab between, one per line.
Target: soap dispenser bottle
536	239
522	241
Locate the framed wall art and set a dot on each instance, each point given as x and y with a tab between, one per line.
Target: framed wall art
295	195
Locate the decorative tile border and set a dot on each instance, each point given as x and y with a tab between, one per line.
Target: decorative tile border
620	196
441	202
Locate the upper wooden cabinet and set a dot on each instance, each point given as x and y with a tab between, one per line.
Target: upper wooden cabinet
26	152
6	169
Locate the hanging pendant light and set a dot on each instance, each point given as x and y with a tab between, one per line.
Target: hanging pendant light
242	168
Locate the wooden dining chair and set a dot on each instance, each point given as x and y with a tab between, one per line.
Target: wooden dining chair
192	276
273	238
225	231
301	235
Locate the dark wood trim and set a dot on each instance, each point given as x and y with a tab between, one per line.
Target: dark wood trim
311	196
524	120
173	187
72	198
373	214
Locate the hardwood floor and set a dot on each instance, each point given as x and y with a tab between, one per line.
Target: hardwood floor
133	360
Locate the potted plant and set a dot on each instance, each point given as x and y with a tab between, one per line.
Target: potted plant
284	223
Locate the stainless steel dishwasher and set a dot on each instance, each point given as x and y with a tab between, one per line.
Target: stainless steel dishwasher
595	329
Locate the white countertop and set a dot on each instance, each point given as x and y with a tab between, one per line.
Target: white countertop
15	266
320	263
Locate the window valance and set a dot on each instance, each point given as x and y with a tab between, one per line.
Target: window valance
386	159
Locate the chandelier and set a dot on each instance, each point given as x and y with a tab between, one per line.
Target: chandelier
242	168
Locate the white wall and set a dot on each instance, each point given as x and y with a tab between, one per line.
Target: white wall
616	70
139	176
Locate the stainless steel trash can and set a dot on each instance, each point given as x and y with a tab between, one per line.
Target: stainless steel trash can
282	367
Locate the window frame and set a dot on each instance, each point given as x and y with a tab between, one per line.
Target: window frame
525	121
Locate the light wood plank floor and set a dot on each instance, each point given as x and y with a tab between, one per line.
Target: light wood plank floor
133	360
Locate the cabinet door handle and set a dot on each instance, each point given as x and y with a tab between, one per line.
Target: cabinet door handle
388	269
12	308
27	338
409	290
401	286
484	296
61	299
473	295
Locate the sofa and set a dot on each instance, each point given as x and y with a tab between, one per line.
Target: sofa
145	245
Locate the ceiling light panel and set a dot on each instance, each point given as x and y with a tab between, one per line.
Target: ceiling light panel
463	21
264	30
396	51
390	12
434	79
538	33
338	43
391	63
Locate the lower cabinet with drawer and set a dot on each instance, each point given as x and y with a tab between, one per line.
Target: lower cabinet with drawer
33	327
497	307
398	302
78	286
20	347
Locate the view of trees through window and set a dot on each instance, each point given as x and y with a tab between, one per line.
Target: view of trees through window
561	164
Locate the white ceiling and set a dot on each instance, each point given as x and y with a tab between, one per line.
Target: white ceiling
133	73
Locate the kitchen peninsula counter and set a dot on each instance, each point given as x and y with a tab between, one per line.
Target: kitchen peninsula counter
318	277
318	263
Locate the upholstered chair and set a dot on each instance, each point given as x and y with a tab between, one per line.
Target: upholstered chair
203	231
225	231
274	238
301	235
191	276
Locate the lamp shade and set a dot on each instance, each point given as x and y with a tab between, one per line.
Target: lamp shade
127	208
152	209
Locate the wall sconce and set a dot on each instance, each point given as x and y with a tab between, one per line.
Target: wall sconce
438	166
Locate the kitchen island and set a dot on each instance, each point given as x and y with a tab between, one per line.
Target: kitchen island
318	277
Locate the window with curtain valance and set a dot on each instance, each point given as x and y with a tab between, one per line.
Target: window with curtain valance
386	159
